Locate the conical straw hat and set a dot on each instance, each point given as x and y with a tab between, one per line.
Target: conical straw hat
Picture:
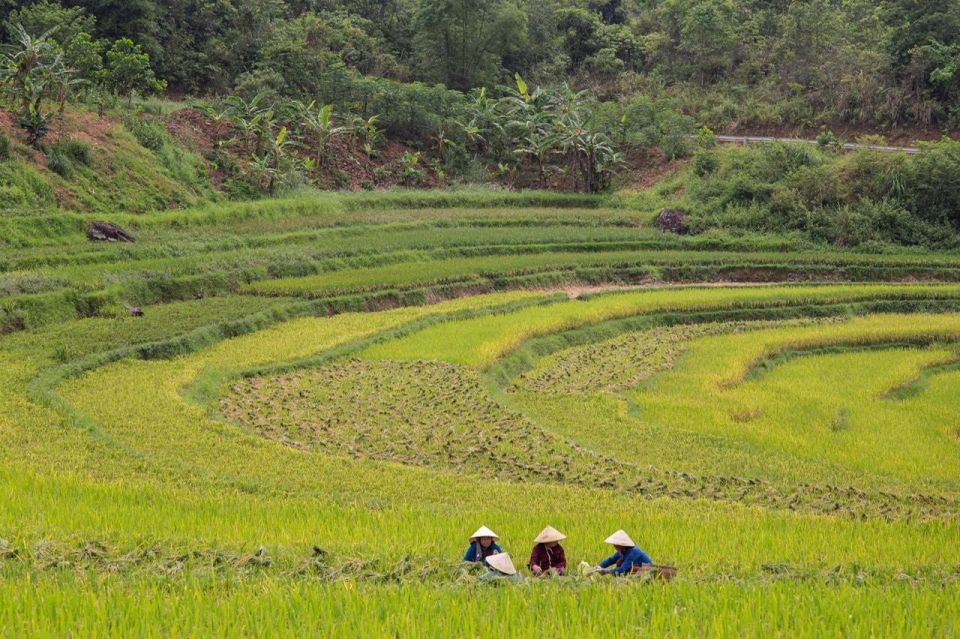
620	538
483	531
549	534
503	563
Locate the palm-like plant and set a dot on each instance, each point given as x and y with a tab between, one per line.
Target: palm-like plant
320	124
550	126
274	163
32	70
248	118
482	126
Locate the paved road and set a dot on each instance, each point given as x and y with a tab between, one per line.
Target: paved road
749	139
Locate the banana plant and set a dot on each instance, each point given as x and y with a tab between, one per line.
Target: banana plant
540	145
366	129
592	157
274	164
32	71
320	123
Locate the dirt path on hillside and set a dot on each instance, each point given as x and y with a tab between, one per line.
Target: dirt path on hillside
849	146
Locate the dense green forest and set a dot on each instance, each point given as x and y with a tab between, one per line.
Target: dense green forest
141	104
895	62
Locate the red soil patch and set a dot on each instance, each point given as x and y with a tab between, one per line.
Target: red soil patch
195	131
88	127
342	163
646	168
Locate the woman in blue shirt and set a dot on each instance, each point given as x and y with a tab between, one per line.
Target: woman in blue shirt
627	558
482	545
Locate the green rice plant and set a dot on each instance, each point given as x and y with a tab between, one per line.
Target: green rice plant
621	363
480	342
203	608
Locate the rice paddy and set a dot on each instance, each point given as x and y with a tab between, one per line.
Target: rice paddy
323	399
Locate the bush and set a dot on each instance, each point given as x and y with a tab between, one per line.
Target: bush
410	112
77	151
149	134
876	223
6	147
862	199
828	140
775	161
868	175
59	163
816	186
704	163
706	138
932	188
675	146
239	189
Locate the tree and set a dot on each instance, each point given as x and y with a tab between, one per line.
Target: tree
580	34
46	16
611	11
317	55
920	22
138	20
463	43
205	45
84	55
128	70
32	71
708	37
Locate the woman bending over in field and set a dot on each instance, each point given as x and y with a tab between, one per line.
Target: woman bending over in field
501	568
548	557
627	558
482	546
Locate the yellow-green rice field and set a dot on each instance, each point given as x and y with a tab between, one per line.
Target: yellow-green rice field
273	451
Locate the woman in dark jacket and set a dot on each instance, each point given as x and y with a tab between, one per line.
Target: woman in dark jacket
482	545
548	557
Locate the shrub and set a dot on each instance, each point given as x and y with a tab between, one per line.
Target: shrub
77	151
239	189
868	175
774	161
149	134
675	146
816	186
932	189
828	140
59	163
706	138
6	148
704	163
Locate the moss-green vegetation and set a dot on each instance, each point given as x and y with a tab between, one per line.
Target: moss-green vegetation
858	199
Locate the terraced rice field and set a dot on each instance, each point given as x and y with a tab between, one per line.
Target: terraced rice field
323	398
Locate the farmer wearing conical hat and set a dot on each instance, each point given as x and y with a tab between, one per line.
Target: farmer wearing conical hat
548	557
627	558
501	567
482	546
